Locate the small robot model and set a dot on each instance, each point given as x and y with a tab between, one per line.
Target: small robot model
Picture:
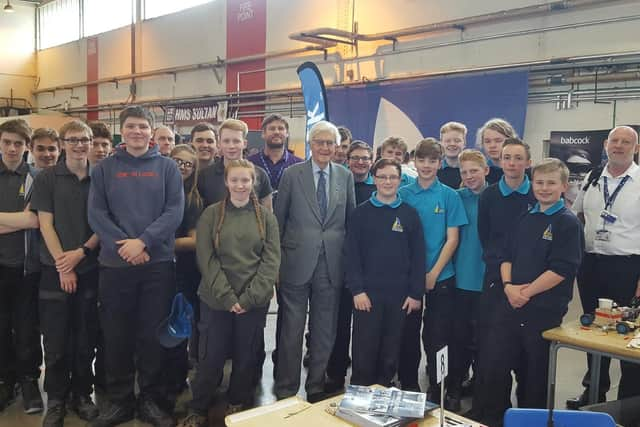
622	319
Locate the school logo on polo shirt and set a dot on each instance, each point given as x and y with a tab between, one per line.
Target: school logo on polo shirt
397	226
438	209
21	192
548	234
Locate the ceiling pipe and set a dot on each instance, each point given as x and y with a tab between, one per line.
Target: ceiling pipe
220	63
602	78
326	35
322	45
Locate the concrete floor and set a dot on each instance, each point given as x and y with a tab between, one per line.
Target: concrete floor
571	366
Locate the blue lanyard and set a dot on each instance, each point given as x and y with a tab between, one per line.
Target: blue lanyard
608	200
284	159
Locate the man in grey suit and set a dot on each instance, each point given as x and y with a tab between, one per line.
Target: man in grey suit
314	200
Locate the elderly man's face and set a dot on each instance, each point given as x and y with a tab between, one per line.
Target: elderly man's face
323	147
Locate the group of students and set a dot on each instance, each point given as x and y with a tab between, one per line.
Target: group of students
479	253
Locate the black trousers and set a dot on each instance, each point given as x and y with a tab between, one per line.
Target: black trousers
376	340
491	297
221	333
69	327
438	315
20	351
100	376
516	343
410	352
339	359
133	302
463	346
614	277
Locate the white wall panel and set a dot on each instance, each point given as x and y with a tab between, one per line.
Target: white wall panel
199	35
17	43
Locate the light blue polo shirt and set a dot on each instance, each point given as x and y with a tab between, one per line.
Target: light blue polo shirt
439	208
468	263
551	210
506	191
406	180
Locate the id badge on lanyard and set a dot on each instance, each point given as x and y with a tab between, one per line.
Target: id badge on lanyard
604	235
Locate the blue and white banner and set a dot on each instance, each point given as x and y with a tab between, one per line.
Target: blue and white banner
315	98
415	109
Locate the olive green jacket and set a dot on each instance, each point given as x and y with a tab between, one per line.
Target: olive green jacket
244	268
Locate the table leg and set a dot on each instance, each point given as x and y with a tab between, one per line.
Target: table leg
551	379
594	385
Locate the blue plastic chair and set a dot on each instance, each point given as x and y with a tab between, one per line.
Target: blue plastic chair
522	417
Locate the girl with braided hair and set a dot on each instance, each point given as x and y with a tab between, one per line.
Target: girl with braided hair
238	252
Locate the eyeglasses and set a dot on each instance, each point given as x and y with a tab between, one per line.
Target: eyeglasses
360	158
392	178
323	142
182	163
76	141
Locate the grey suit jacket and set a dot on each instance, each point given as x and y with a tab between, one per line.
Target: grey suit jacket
302	232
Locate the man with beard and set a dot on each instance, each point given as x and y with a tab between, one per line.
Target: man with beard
204	139
275	157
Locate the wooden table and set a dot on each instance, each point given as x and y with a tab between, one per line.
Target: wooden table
297	412
591	340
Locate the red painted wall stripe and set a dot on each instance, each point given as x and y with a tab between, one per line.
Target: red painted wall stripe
92	74
247	35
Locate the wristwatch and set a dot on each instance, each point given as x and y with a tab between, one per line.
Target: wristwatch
86	250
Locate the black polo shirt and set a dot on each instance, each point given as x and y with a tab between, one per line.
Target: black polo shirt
12	199
58	191
211	183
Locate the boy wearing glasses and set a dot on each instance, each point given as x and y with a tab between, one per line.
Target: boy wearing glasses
69	278
136	204
441	212
384	227
360	159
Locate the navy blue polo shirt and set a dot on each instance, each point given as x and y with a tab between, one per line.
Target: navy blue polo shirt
385	250
546	241
439	208
364	189
499	208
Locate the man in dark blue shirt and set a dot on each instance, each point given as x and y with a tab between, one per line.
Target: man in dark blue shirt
275	157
